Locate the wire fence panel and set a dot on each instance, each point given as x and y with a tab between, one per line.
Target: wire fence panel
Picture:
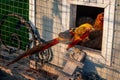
24	24
12	24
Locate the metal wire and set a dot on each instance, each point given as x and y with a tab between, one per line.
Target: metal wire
48	13
52	18
22	21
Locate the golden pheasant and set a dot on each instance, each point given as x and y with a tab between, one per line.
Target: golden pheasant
71	37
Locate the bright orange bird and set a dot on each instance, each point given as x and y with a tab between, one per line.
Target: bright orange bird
98	25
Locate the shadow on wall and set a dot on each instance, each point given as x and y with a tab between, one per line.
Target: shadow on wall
48	22
90	72
57	12
47	28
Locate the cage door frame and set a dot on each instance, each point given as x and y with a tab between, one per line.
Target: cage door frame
104	56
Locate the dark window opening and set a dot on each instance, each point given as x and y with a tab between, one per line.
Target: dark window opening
85	14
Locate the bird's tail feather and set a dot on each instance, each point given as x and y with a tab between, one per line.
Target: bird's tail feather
38	48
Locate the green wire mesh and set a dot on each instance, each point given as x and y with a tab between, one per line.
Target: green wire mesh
9	27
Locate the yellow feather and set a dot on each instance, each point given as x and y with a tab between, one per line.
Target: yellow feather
79	31
83	28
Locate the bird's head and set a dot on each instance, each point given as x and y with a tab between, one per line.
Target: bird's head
98	25
100	17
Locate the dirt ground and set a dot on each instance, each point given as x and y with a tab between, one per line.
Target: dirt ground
21	70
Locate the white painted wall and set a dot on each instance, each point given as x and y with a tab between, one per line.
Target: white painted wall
62	22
